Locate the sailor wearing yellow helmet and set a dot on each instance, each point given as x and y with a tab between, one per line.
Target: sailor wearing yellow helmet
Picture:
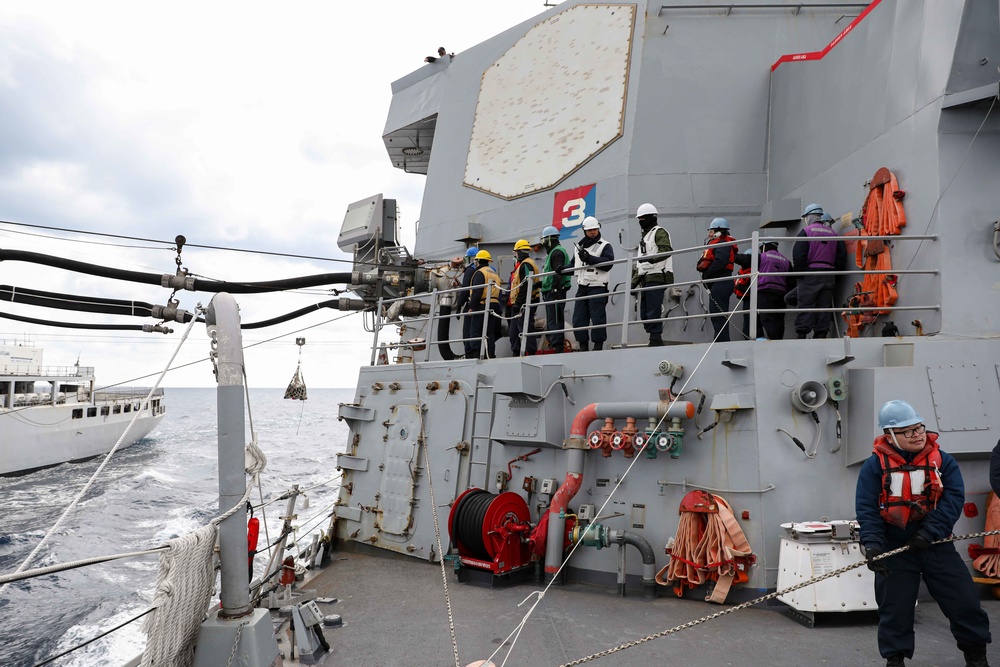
485	290
518	297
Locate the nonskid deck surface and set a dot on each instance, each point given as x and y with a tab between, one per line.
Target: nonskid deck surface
395	616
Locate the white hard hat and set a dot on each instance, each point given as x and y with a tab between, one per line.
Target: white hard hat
590	222
646	209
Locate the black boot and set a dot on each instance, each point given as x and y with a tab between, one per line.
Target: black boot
820	334
801	334
894	661
976	657
655	341
598	346
584	346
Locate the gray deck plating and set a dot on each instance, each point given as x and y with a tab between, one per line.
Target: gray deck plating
395	616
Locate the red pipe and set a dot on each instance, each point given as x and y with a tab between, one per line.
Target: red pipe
560	501
582	421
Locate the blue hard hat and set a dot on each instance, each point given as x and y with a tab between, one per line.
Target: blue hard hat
549	231
471	252
827	218
719	223
898	414
812	209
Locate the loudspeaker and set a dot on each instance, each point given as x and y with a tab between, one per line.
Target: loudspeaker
808	396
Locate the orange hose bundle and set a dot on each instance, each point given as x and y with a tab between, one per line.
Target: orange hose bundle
709	546
989	563
881	215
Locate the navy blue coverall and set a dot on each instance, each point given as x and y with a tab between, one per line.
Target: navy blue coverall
945	573
995	469
462	305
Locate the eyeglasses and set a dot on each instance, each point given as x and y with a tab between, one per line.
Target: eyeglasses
919	429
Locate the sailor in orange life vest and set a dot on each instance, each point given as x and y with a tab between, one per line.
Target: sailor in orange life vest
911	493
718	263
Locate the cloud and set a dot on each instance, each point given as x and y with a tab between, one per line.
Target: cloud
234	124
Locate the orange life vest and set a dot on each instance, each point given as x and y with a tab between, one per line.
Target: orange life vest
742	284
899	502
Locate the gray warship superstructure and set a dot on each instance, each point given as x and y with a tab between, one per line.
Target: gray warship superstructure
747	111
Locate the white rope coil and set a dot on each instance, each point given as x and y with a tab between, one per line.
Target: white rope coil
183	591
185	582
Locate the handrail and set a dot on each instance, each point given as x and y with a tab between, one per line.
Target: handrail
625	323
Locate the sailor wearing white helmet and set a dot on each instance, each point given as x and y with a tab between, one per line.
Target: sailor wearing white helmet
652	273
596	255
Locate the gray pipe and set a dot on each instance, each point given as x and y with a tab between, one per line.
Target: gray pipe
623	537
223	321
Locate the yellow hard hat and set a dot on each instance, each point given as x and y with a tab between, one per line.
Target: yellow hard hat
522	245
484	254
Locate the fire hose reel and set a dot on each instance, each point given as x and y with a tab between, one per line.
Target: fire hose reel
490	531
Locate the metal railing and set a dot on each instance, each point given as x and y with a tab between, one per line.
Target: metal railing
679	292
32	370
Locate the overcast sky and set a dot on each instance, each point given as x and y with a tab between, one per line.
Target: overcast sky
244	125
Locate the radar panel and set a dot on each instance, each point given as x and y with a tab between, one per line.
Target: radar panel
552	101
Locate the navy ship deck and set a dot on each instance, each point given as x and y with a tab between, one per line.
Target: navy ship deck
394	615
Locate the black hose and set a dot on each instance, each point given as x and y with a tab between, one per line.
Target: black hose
332	303
86	304
467	524
73	325
79	267
341	278
444	334
199	285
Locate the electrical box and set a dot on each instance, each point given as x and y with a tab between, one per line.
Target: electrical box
586	512
548	486
311	615
368	220
837	388
502	478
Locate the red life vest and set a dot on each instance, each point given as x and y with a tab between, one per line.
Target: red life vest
742	284
708	256
899	502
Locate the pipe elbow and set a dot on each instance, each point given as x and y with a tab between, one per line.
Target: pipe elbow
640	543
582	422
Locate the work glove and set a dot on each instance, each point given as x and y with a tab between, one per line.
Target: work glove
918	543
876	565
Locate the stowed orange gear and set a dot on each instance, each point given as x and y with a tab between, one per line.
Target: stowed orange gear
881	215
709	546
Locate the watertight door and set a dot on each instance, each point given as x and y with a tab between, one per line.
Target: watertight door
398	479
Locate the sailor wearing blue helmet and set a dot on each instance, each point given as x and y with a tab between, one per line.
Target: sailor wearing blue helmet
819	257
911	493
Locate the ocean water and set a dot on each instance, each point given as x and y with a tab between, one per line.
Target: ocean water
162	487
